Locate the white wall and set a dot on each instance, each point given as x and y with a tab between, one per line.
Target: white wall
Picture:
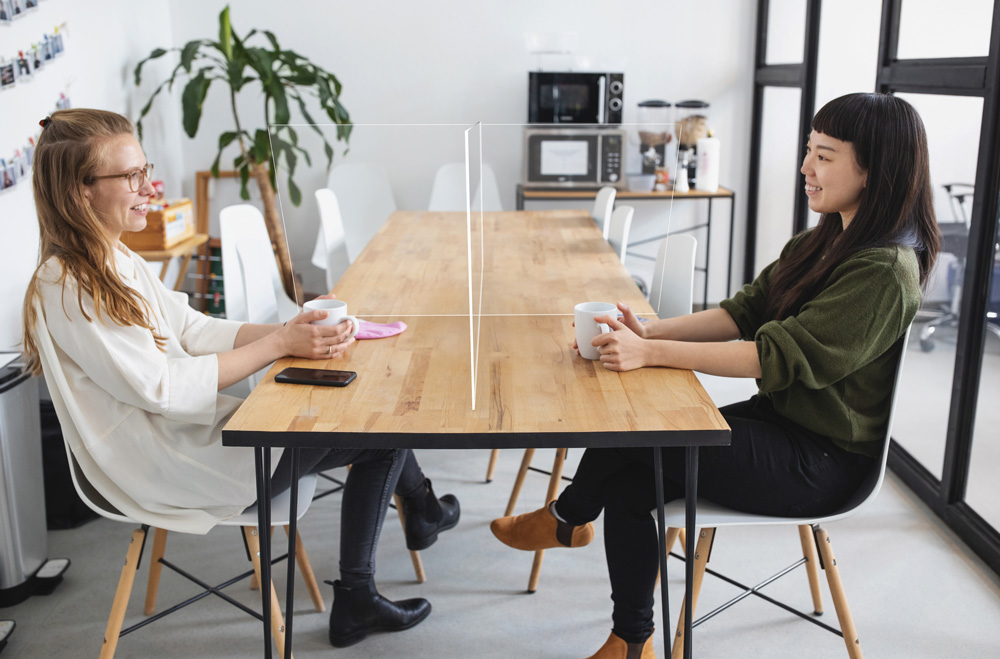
452	61
101	48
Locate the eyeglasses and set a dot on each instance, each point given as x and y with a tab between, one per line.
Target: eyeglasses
135	178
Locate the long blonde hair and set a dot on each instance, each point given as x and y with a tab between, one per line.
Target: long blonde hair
68	156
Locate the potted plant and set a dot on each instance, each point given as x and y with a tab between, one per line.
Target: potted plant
284	77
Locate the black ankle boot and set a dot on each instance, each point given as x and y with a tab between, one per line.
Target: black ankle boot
358	610
426	516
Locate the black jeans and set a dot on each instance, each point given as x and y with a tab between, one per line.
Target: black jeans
374	476
772	467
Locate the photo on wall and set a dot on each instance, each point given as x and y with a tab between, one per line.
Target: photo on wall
7	76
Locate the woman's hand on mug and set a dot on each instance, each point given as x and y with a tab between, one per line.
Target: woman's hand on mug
621	349
303	339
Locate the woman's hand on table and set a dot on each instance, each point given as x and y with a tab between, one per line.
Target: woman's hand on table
622	349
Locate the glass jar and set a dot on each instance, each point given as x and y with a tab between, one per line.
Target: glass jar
654	132
692	123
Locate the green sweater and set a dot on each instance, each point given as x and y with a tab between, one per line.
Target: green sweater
830	368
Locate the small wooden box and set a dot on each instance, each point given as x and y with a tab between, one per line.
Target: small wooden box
164	228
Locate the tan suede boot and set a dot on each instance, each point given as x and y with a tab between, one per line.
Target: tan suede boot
540	530
616	648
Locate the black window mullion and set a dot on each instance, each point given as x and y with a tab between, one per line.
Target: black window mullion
801	76
807	106
976	285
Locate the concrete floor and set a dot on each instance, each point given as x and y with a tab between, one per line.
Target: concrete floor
915	591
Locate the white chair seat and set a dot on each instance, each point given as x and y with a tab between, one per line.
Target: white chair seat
280	506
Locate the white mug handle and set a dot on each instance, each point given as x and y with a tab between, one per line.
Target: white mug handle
605	328
354	325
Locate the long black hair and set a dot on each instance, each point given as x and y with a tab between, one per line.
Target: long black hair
896	204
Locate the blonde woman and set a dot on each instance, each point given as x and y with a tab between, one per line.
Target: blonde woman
135	374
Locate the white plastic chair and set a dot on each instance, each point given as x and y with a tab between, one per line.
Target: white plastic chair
621	223
671	293
259	298
331	243
448	191
604	204
239	223
365	198
711	516
99	504
280	506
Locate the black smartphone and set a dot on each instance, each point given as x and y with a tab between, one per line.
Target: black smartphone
317	376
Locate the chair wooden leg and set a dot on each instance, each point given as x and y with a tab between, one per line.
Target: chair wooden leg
494	454
122	594
838	595
557	469
277	619
529	453
418	563
305	569
254	585
812	566
683	537
155	567
701	555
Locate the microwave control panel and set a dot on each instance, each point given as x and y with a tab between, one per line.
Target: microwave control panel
612	155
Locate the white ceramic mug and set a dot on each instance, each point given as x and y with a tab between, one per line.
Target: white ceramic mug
336	313
586	329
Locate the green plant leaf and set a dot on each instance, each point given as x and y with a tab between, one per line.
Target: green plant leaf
159	52
188	52
193	99
226	33
293	192
243	167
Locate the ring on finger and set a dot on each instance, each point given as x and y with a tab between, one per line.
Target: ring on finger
329	351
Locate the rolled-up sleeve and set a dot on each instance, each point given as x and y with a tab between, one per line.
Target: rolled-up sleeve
819	346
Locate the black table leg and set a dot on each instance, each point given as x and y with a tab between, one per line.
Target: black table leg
690	508
293	507
662	539
262	460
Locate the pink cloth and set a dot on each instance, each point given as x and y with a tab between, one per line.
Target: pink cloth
369	330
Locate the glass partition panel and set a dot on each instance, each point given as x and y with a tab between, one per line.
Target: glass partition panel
780	159
952	125
930	28
786	31
981	492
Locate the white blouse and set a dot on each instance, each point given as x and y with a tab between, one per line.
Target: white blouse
145	424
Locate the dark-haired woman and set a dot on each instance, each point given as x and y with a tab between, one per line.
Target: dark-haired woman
135	375
820	330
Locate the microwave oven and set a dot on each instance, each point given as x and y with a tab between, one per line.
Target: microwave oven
574	157
575	98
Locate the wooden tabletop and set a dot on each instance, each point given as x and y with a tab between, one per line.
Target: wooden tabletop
530	388
555	193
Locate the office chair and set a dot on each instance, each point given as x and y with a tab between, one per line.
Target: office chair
604	204
671	293
331	243
711	516
955	241
621	224
448	192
